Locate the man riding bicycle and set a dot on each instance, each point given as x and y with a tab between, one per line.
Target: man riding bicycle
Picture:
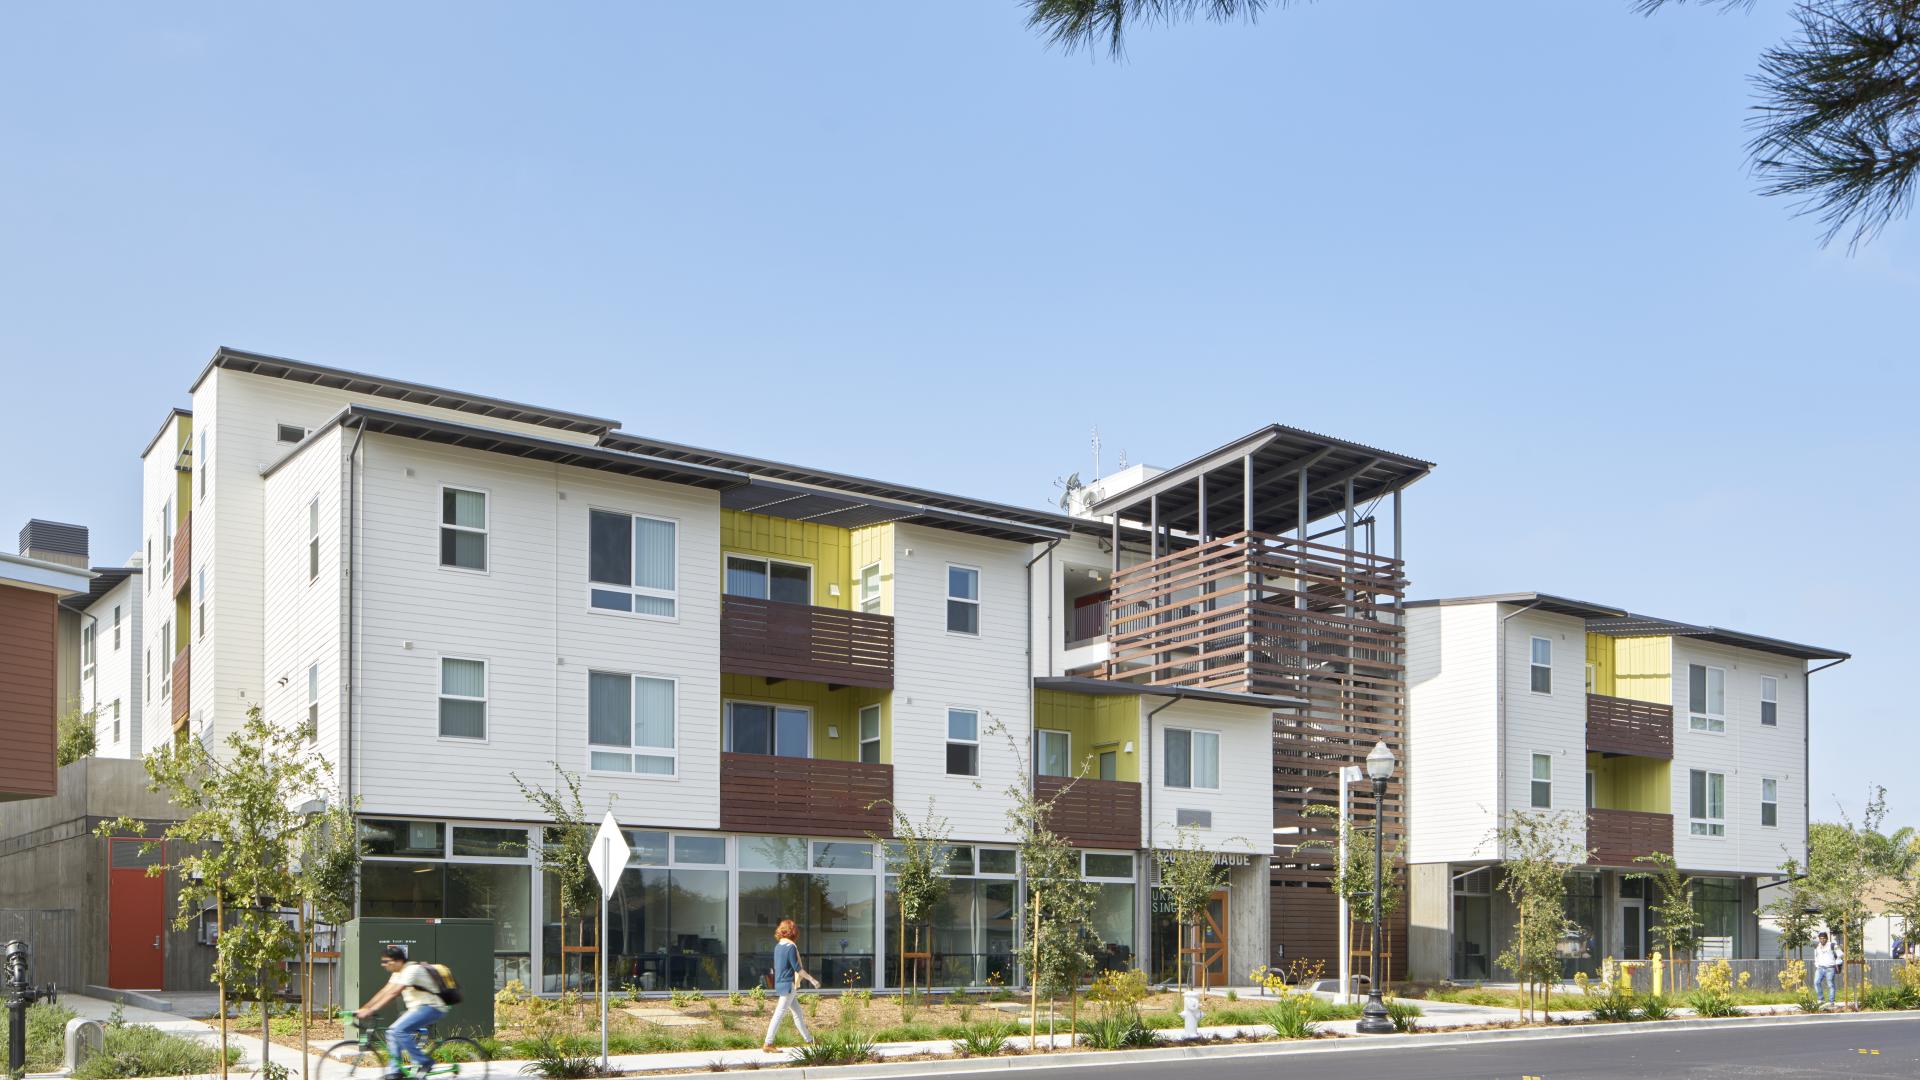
418	991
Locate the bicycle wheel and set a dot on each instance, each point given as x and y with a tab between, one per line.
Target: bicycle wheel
460	1057
348	1060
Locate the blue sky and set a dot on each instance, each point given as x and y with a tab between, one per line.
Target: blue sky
907	240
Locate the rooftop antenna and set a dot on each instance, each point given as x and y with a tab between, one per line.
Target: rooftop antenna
1096	451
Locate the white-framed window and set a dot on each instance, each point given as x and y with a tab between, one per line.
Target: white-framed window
1107	865
1192	758
86	651
146	568
1055	752
463	698
1769	802
769	579
757	727
289	433
116	719
632	563
1593	678
1706	698
149	671
870	735
463	528
963	600
313	539
963	742
1769	701
313	702
200	601
116	628
870	588
206	458
1707	802
1540	667
1590	793
166	665
1542	793
632	724
166	538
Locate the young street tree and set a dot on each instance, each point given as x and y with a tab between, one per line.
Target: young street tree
1795	912
238	846
1540	852
917	859
1836	129
563	854
1676	922
1354	878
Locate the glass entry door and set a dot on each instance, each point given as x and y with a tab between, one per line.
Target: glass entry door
1633	929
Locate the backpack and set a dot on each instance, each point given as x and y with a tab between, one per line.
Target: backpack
443	982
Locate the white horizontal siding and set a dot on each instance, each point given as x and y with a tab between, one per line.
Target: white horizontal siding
1746	754
1553	723
1452	750
1242	806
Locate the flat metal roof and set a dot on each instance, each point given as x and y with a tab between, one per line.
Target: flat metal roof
105	580
280	367
1649	626
1559	605
1080	684
172	415
1279	454
39	575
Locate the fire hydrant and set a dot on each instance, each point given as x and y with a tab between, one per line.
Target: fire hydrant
1191	1013
20	994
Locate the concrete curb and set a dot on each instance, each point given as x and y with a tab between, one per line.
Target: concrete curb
1096	1059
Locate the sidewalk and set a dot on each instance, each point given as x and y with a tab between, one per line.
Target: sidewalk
249	1045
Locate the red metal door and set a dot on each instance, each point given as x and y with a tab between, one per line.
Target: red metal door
136	918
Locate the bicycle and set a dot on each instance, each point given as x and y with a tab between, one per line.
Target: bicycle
365	1058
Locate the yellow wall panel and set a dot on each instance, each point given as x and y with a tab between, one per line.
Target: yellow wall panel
1096	724
1643	669
1632	783
824	547
1600	655
873	544
838	710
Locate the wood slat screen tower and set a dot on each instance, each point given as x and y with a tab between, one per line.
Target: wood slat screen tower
1257	569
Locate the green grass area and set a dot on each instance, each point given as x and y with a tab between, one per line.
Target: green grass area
131	1049
1572	1000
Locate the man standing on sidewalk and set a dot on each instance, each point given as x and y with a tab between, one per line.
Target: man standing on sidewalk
1826	964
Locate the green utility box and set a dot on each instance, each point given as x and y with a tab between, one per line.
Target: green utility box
465	945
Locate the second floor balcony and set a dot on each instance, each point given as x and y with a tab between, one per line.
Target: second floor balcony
1625	726
1093	813
778	640
1621	837
768	793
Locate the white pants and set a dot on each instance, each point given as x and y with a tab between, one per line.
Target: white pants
789	1005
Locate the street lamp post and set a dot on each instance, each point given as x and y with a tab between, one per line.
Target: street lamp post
1374	1019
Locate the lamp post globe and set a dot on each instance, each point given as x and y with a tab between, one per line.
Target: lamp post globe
1374	1019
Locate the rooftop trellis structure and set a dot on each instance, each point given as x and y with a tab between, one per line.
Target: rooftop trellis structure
1259	572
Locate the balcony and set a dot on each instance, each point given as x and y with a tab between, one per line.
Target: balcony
1625	726
790	795
183	555
181	691
1093	813
776	640
1619	837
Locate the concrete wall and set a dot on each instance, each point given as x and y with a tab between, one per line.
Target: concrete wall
1429	921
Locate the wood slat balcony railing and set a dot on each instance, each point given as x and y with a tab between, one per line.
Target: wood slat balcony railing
180	689
183	554
1619	837
788	795
1625	726
1093	813
776	640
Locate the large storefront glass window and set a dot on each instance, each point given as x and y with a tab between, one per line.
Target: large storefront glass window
835	914
969	937
1580	944
1113	924
1717	902
431	890
667	930
1473	924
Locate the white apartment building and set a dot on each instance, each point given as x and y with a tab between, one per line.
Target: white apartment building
747	662
110	658
1645	735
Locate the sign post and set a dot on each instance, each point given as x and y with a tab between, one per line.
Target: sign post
1350	774
608	858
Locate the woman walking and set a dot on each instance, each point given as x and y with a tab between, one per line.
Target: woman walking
786	968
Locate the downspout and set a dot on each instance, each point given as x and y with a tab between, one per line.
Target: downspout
1806	756
1033	695
353	681
1500	721
1148	865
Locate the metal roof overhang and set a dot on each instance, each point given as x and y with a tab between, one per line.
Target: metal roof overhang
1558	605
847	510
279	367
1648	626
1080	684
1278	455
104	581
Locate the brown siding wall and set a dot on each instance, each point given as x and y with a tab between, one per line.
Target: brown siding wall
28	705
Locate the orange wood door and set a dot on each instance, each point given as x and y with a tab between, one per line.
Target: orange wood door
136	918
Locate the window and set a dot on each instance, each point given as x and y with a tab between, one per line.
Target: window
1056	753
1707	802
1770	803
1706	698
630	564
870	589
1098	864
708	850
146	578
200	601
166	538
1542	666
1109	764
963	742
206	458
86	651
769	579
149	671
1590	802
313	540
116	719
290	433
870	735
489	843
1542	781
1593	679
1193	758
116	628
313	702
463	698
463	529
963	600
631	724
1769	701
780	730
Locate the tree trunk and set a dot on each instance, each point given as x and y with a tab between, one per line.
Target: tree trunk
901	985
1033	983
306	986
266	1027
219	931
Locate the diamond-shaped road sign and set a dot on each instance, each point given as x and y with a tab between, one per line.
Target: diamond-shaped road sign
609	856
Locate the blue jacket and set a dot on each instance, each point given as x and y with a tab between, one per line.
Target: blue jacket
786	961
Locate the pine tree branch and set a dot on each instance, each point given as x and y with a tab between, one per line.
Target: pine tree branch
1076	24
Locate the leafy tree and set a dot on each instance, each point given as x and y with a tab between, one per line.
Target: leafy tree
1540	852
1837	127
564	851
1841	867
1676	922
330	849
77	736
238	844
1190	877
917	859
1794	912
1353	879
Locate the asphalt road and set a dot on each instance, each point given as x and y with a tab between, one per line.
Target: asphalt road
1760	1051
